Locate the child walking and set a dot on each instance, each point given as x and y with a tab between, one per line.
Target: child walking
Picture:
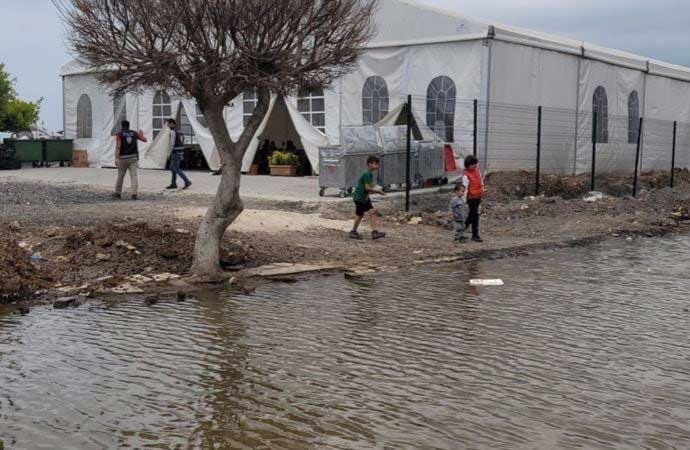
474	185
365	186
457	214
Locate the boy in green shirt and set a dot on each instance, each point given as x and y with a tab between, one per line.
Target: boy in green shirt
365	186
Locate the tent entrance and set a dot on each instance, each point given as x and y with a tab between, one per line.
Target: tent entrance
280	133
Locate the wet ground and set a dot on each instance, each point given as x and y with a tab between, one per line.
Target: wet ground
582	348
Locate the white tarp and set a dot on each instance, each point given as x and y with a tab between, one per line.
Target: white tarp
311	138
202	135
249	155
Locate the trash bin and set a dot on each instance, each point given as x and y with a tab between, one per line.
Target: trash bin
27	150
58	150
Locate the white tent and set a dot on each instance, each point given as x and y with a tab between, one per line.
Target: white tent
422	51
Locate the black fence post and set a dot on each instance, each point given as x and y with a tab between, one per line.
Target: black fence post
474	132
536	187
594	149
408	181
673	153
637	157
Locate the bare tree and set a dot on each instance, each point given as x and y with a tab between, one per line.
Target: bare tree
213	51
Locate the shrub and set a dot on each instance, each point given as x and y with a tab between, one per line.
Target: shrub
280	158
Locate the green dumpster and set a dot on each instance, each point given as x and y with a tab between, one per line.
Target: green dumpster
58	150
27	150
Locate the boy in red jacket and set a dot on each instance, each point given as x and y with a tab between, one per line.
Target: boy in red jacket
474	188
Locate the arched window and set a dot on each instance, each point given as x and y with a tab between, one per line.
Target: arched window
84	118
633	117
312	105
249	102
374	100
440	107
162	111
119	102
600	107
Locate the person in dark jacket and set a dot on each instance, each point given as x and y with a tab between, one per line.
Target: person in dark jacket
176	154
127	158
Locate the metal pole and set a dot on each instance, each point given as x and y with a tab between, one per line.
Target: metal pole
536	188
474	145
594	148
673	153
408	181
637	158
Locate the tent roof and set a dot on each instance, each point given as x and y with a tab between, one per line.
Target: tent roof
406	22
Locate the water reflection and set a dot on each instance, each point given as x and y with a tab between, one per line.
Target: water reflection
583	348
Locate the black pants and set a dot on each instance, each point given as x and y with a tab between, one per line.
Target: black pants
473	216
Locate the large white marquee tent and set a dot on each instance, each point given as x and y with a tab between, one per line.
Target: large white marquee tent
429	53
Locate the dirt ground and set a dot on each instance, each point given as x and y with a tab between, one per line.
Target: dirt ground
59	240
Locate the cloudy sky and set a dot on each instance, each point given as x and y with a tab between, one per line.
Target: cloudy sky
32	39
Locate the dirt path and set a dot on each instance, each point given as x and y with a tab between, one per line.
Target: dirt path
78	235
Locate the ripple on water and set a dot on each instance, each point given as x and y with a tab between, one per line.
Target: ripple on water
582	348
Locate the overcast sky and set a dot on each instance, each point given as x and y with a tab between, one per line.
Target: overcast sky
32	42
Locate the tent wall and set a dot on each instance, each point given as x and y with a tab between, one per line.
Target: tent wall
101	145
531	77
618	154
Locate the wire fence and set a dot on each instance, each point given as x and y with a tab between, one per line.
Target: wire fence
554	141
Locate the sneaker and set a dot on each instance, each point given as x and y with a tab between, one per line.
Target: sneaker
116	195
134	197
172	186
187	186
355	235
378	235
477	239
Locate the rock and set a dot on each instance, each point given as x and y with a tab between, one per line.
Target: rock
23	310
139	279
169	254
524	207
103	257
182	231
246	290
64	302
181	296
125	245
14	226
414	220
151	300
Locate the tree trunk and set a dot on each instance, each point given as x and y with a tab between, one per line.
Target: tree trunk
227	205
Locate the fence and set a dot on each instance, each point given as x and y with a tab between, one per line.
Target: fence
610	151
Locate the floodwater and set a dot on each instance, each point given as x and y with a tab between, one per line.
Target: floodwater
582	348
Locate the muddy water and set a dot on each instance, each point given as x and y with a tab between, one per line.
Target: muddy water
584	348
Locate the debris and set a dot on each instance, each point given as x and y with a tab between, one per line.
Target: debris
127	288
181	296
139	279
125	245
14	226
36	257
496	282
23	244
151	300
164	277
182	231
23	310
103	257
64	302
415	220
71	289
594	196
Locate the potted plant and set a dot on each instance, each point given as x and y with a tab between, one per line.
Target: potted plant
283	164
